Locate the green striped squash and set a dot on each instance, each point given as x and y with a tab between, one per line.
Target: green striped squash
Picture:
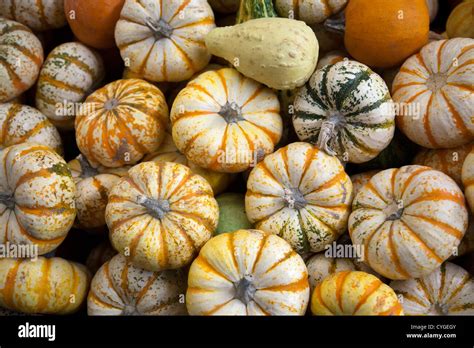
252	9
346	110
69	74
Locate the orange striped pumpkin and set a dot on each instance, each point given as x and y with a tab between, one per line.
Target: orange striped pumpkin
43	286
467	176
36	197
226	122
120	288
39	15
164	41
354	293
24	124
247	272
409	220
70	72
168	152
448	161
121	122
22	57
461	21
440	82
93	189
309	11
160	215
359	180
224	6
449	290
301	194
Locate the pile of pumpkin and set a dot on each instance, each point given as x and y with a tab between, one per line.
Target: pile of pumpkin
212	168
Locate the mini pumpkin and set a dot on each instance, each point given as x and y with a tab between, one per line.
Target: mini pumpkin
121	122
165	43
345	109
309	11
448	161
354	293
24	124
120	288
43	286
436	87
22	57
359	180
36	197
449	290
467	176
168	152
226	122
461	21
160	215
247	272
302	195
38	15
410	220
70	72
93	189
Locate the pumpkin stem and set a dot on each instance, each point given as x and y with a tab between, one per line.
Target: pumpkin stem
394	211
326	133
156	207
439	309
87	171
231	112
161	29
245	290
130	310
7	200
294	198
111	104
336	24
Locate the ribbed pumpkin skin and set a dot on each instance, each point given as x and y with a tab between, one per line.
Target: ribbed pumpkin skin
461	21
448	161
70	72
355	101
302	195
410	220
161	214
247	272
383	33
93	189
36	197
122	122
164	41
309	11
224	6
45	286
168	152
439	79
38	15
22	56
467	176
354	293
449	290
359	180
24	124
119	288
212	135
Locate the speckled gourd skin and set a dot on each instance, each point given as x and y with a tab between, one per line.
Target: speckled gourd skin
409	220
354	293
319	188
69	74
24	124
39	15
171	236
37	193
19	70
247	272
449	290
122	122
174	55
278	52
43	286
120	288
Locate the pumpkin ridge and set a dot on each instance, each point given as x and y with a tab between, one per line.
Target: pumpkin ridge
137	238
310	155
217	307
408	180
468	88
184	55
11	114
263	241
460	66
394	254
411	298
205	264
9	289
296	286
42	287
371	289
92	296
459	122
369	108
459	288
13	76
206	20
72	290
431	253
61	85
444	226
394	310
161	305
317	293
340	281
23	50
285	257
439	195
348	88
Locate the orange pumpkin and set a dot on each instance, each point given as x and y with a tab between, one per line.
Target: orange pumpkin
382	33
93	22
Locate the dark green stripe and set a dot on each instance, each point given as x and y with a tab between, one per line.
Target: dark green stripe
383	125
370	107
309	116
349	87
305	247
356	142
324	85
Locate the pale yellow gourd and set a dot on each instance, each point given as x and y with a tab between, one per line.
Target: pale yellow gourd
278	52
